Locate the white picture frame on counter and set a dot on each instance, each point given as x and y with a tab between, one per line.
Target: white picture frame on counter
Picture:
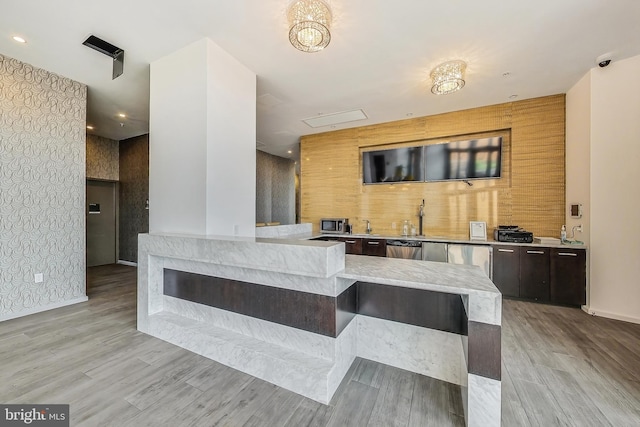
478	230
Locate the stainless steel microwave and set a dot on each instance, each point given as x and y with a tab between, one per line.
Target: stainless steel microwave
334	225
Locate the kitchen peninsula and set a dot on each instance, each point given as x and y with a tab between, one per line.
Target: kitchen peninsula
297	313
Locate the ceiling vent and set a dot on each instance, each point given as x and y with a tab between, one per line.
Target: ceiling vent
110	50
268	100
335	118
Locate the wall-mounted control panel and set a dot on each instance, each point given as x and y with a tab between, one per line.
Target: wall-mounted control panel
576	210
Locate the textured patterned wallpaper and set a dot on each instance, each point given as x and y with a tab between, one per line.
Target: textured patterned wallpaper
134	191
42	187
275	189
102	158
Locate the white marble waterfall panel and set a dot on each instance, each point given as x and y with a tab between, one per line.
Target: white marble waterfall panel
283	230
274	333
345	353
301	257
464	374
429	352
156	284
316	285
484	402
295	371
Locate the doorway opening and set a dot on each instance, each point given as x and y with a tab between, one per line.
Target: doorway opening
102	226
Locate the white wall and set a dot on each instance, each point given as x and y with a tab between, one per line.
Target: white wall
202	143
615	190
231	141
578	159
614	183
177	141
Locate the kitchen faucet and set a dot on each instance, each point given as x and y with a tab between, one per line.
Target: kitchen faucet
368	225
420	215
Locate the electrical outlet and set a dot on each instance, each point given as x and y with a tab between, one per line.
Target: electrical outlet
579	228
38	277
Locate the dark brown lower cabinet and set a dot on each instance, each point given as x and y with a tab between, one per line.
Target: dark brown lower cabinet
568	276
352	245
360	246
506	270
534	273
374	247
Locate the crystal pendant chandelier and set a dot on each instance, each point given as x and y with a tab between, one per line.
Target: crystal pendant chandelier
448	77
309	22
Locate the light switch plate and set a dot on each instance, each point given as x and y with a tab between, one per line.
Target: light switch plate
38	277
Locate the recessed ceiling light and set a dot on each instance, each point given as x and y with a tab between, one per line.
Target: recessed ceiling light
19	39
122	115
409	114
89	127
289	151
506	74
513	96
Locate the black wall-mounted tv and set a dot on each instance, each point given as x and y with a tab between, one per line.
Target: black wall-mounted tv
394	165
462	160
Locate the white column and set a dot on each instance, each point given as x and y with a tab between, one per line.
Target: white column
202	133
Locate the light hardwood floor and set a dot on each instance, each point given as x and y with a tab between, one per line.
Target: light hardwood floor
560	367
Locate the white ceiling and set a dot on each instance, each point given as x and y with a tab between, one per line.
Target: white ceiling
378	60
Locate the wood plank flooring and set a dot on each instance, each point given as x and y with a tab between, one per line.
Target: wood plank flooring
560	367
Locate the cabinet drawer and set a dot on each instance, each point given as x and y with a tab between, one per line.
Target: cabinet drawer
353	245
374	247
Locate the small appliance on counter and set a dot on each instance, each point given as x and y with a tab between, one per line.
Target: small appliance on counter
512	233
334	225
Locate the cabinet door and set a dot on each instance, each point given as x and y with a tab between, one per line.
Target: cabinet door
374	247
568	276
353	245
534	273
506	270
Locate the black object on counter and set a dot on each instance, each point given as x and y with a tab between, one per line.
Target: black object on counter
512	233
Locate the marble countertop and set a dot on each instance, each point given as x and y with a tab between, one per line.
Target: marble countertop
438	239
436	276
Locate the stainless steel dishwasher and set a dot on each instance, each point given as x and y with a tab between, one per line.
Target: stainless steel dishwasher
407	249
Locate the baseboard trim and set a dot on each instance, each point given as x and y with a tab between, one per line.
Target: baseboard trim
43	308
129	263
608	315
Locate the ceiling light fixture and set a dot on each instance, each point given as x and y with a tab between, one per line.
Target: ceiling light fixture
309	22
448	77
89	127
122	115
19	39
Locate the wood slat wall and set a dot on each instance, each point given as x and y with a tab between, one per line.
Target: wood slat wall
531	192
